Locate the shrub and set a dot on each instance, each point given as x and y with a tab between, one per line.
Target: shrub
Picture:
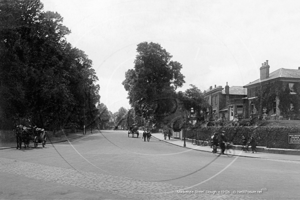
271	137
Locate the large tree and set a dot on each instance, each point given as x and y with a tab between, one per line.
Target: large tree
104	116
43	78
155	76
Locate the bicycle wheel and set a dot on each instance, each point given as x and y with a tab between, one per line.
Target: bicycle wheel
230	152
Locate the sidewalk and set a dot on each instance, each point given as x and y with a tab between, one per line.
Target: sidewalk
53	140
264	153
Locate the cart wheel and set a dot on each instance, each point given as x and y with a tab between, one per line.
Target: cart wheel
35	144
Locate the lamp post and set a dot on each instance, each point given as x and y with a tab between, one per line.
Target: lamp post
185	126
184	130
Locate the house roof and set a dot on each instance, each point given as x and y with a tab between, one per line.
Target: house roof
236	90
279	73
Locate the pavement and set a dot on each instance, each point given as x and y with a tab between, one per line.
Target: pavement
262	152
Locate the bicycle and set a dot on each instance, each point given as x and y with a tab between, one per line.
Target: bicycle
229	150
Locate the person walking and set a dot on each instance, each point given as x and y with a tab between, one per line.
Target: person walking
165	133
148	135
211	143
145	135
244	143
252	142
215	140
223	142
169	133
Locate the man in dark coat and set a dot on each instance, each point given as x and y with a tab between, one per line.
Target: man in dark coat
223	141
252	142
169	133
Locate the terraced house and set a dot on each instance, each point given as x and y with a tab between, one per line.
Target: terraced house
274	95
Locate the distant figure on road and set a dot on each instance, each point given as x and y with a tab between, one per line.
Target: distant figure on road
148	136
145	135
252	142
169	133
165	133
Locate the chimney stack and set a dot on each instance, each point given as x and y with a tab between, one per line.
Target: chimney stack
264	70
226	88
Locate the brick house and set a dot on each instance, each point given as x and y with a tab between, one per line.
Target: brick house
225	103
274	94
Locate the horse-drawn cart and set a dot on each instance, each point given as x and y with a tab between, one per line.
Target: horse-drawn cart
39	136
26	134
133	131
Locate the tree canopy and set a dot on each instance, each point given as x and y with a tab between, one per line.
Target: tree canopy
155	76
42	77
193	98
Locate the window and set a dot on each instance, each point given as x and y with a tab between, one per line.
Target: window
253	109
274	107
215	99
291	107
231	111
239	110
291	87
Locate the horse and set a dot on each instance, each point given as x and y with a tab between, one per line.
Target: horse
18	132
22	136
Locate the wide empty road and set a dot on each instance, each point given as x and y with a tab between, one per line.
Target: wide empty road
111	165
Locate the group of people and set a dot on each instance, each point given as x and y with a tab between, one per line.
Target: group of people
167	133
246	143
217	140
221	140
146	135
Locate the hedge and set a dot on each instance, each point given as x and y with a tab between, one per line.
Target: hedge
271	137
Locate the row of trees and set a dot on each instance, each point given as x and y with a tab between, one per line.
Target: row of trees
153	82
43	79
47	82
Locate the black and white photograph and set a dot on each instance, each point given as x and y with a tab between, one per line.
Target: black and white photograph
149	99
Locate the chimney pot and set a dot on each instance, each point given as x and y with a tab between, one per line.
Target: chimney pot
227	88
264	70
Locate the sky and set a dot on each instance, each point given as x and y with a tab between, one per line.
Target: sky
216	41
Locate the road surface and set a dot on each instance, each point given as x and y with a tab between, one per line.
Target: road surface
111	165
